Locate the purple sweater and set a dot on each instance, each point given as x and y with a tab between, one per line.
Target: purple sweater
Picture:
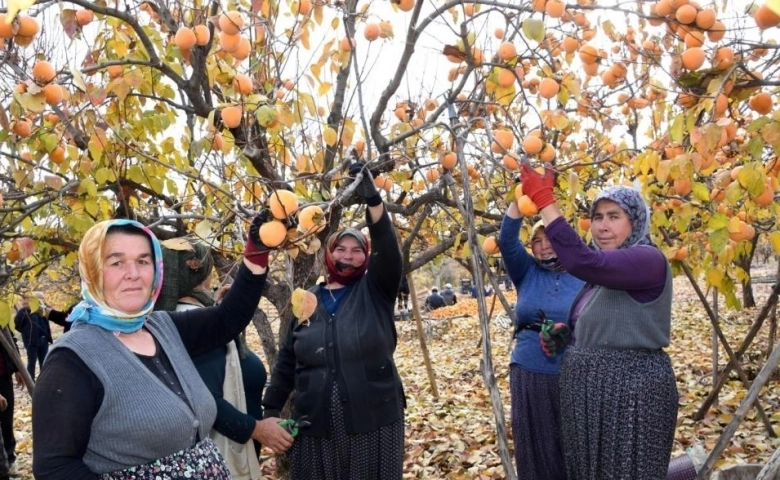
616	269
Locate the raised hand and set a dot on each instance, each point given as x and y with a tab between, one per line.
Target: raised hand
366	189
255	251
537	186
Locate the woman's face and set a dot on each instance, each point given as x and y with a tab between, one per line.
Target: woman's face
128	271
349	251
541	247
610	225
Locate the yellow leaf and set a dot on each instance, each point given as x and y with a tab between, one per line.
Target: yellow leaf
734	225
774	238
303	304
330	137
178	243
324	88
5	314
774	5
15	6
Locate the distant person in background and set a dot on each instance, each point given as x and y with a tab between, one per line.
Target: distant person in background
449	295
234	375
488	291
36	335
434	300
403	298
8	372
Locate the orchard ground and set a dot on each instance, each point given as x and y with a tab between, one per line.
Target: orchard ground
453	437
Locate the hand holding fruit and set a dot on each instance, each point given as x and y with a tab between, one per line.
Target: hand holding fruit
366	189
554	337
537	186
255	251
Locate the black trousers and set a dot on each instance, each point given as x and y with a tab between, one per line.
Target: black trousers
7	417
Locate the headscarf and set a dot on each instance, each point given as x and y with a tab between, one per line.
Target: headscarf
552	264
631	201
185	269
93	309
345	275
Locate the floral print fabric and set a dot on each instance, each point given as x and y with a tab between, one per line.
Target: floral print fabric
202	461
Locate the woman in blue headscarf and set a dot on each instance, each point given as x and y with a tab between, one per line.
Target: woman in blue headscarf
118	396
619	397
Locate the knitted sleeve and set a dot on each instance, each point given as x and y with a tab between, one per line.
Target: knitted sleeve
516	258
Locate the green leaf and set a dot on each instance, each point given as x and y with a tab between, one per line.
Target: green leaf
701	192
719	239
533	29
752	180
677	128
88	186
265	115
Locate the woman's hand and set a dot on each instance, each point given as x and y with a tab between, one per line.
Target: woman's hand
366	189
255	252
269	433
537	186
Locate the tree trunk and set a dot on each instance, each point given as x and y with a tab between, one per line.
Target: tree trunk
744	262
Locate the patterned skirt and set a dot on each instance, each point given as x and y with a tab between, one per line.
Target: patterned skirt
375	455
201	461
536	425
619	413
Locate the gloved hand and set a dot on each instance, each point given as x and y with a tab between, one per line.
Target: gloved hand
554	337
538	187
366	188
254	250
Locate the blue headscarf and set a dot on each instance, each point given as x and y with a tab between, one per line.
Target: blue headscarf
631	201
93	309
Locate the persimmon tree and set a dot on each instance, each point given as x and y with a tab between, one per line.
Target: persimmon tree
190	115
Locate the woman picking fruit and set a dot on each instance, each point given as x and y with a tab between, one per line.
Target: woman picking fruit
340	361
545	291
618	392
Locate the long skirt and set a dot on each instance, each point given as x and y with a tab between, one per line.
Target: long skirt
375	455
619	413
536	425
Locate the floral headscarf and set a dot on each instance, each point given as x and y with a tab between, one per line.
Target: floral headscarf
350	275
93	309
631	201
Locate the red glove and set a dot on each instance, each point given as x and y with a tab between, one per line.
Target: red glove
256	251
538	187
